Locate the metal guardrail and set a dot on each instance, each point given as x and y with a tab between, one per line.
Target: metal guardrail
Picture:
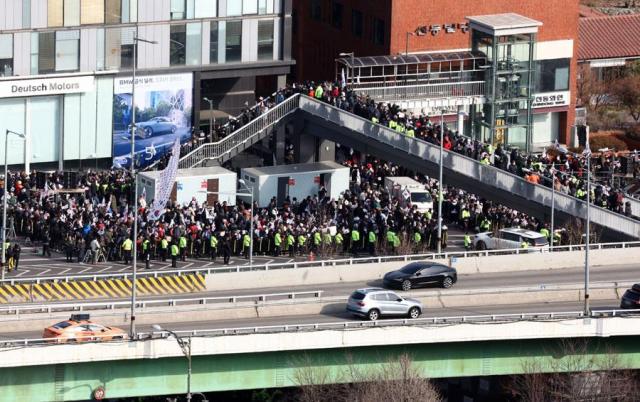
20	309
355	325
438	90
241	136
323	263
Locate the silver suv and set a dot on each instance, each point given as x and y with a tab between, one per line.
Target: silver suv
375	302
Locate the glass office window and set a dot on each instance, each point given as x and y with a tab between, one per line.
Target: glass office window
100	52
194	43
265	6
249	7
265	40
47	52
119	48
178	9
54	13
92	11
234	7
34	52
178	45
378	31
67	50
553	75
71	12
206	8
233	51
213	43
6	55
26	13
113	11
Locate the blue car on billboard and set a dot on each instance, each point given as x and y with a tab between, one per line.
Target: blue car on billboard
155	126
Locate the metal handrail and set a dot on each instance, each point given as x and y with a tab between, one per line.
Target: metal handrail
355	325
435	90
242	135
323	263
19	309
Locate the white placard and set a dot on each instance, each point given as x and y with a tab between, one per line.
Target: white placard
46	86
552	99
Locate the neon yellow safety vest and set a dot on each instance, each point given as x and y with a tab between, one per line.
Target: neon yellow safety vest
127	245
174	250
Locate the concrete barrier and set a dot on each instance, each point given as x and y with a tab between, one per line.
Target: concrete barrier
373	271
432	299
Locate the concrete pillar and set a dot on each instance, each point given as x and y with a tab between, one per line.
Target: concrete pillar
282	81
27	135
280	144
326	151
304	148
461	114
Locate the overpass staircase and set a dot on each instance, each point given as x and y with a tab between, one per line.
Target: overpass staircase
325	121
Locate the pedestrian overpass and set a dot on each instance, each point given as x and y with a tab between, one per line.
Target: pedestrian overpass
314	117
274	357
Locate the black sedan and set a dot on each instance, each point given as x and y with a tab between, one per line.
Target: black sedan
631	298
421	274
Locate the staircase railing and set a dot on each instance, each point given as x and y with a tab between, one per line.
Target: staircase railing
240	137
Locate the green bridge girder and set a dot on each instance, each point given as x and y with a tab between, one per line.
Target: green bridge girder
166	376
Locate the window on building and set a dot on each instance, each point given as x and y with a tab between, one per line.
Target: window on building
178	9
553	75
119	48
265	6
234	8
213	42
67	50
356	23
178	45
265	40
249	7
378	31
206	8
233	46
194	44
46	52
100	49
26	14
92	11
34	53
54	13
120	11
71	10
336	14
6	55
316	10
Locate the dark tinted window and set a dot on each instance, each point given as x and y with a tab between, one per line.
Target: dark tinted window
540	241
434	269
632	295
357	295
412	268
62	325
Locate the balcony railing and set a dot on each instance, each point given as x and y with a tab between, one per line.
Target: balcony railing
439	90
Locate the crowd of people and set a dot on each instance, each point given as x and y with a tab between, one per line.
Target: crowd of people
96	221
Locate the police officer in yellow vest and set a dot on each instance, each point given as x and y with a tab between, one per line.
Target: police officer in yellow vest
302	239
355	238
127	246
277	242
164	248
524	244
467	241
146	252
372	241
183	247
175	251
291	244
246	244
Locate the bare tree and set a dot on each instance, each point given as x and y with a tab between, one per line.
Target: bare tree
397	381
627	92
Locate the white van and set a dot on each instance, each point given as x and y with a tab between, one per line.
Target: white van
410	192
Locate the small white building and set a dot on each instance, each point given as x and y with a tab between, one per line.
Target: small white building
296	181
198	183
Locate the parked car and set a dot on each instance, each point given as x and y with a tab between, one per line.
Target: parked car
372	303
631	298
78	328
155	126
509	238
420	273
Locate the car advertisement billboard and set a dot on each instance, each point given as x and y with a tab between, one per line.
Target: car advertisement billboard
164	106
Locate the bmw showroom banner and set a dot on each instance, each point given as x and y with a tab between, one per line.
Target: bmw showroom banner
163	113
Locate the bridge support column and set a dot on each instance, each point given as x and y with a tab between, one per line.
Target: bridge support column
280	144
461	114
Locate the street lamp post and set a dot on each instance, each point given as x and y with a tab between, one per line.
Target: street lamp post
353	67
211	117
440	182
553	205
6	192
4	198
185	346
587	154
132	326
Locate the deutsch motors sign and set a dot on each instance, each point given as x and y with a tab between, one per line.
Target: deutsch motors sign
46	86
